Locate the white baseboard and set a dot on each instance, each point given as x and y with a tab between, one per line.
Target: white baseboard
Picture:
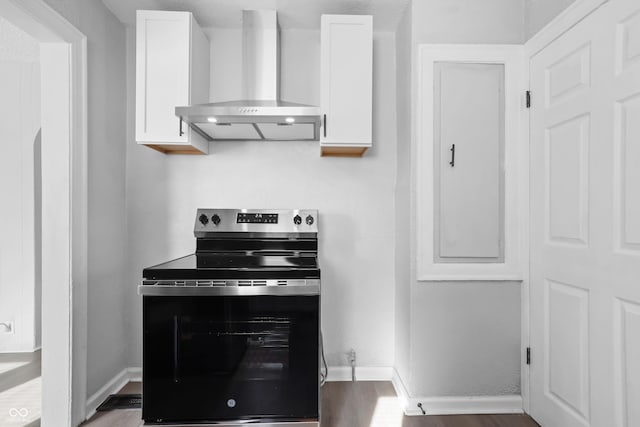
510	404
112	387
29	350
135	374
456	405
363	373
401	391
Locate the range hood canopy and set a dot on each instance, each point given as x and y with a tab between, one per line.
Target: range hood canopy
261	115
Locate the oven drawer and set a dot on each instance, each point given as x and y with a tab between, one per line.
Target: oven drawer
228	358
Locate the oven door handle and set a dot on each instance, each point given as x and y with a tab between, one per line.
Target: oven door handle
176	291
176	348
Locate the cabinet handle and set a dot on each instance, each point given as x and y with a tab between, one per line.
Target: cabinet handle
180	128
324	126
453	155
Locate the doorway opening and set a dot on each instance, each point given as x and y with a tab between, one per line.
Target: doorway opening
20	231
51	238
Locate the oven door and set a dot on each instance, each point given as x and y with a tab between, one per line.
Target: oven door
228	358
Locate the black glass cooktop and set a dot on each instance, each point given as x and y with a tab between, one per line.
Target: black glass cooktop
274	265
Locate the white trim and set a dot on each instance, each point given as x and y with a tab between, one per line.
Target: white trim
512	58
111	387
471	278
79	225
402	393
37	348
569	17
363	373
40	21
135	374
114	385
523	203
457	405
64	232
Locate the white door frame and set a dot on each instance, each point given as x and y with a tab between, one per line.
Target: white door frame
566	20
63	56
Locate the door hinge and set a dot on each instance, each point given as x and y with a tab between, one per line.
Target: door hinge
528	355
528	96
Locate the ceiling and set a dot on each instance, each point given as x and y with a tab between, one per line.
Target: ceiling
292	14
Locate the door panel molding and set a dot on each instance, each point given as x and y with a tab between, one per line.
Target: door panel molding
627	362
568	76
567	353
567	197
627	175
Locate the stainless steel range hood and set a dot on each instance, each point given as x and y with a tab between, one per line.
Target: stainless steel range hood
261	115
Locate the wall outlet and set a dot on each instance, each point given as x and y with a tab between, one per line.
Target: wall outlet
7	327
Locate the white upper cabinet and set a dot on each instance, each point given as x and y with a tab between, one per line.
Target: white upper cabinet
172	69
346	84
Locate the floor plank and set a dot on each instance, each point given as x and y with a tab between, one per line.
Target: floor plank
347	404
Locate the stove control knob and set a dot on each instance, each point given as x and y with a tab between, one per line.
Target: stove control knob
215	219
297	220
203	219
309	220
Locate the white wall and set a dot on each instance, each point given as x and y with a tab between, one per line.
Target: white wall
355	197
148	217
468	21
464	338
539	13
19	181
106	343
402	194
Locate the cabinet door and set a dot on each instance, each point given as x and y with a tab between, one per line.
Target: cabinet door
469	153
346	95
162	75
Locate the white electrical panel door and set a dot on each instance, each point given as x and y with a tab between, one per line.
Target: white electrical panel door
162	77
469	134
346	95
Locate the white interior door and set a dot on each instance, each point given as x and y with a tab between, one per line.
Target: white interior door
585	219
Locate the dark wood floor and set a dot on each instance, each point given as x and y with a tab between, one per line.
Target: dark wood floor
346	404
374	404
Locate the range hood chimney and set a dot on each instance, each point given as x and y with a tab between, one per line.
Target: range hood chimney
261	115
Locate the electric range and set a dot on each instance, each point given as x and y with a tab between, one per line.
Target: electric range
231	333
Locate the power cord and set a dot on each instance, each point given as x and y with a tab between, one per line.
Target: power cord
324	370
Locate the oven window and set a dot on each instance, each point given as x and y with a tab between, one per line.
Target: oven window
227	358
253	348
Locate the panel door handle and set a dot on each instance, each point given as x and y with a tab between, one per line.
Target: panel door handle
453	155
180	128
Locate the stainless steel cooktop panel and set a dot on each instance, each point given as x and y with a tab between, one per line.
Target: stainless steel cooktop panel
256	222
